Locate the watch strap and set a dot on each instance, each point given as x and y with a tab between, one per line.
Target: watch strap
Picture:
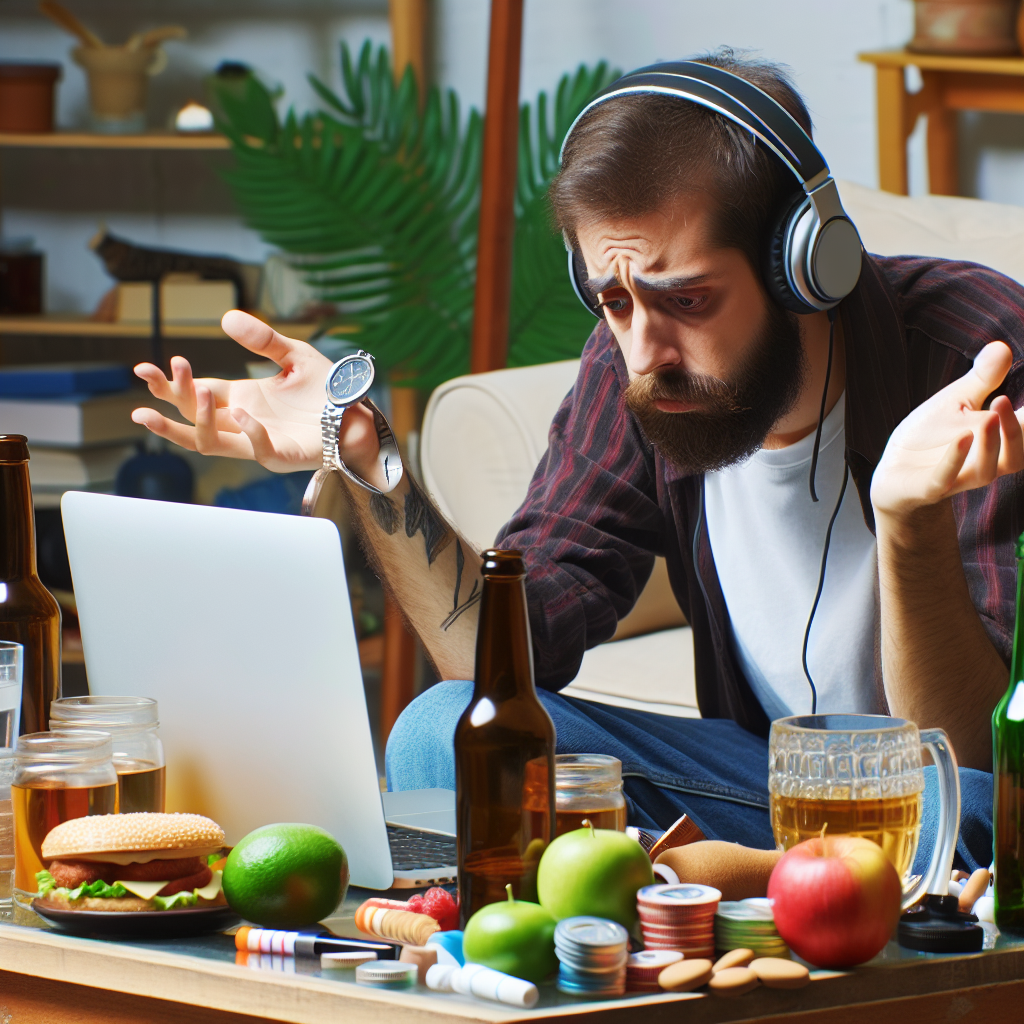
389	458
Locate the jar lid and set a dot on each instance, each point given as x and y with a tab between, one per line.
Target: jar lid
107	713
64	747
577	771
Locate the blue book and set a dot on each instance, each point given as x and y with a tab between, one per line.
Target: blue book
57	380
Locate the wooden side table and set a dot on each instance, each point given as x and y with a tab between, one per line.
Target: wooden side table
950	84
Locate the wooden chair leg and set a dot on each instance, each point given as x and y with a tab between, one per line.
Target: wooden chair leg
398	674
943	153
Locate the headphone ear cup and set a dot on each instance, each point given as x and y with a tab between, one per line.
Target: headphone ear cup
578	277
776	278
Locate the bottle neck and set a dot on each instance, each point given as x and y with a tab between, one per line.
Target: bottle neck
504	649
1017	659
18	543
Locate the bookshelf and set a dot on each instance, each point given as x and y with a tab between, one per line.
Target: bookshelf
67	325
94	140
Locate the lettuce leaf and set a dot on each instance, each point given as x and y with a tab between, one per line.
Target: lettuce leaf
177	900
99	888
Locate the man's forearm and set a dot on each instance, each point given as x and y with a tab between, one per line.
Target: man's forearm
938	665
433	573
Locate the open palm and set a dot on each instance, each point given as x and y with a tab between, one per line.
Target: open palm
275	420
951	443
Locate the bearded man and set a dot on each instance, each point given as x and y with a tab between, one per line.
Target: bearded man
739	439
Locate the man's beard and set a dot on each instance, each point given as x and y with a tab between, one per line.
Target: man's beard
734	416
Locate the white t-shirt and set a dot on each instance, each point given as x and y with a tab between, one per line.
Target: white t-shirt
767	537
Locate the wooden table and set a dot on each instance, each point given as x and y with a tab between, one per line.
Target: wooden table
950	84
50	978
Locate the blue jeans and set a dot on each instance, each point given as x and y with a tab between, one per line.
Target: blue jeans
710	769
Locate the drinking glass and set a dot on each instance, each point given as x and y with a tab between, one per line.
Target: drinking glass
57	776
11	660
6	832
862	775
131	723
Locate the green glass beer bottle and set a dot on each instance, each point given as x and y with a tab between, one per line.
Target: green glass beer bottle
1008	779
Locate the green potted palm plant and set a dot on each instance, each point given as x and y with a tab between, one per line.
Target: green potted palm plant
375	196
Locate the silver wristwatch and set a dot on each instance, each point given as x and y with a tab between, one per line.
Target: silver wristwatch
348	383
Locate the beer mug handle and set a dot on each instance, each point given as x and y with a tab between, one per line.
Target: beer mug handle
936	878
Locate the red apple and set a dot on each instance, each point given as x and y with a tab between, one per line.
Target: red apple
836	900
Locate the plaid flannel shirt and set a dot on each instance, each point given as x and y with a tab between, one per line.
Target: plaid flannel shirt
603	503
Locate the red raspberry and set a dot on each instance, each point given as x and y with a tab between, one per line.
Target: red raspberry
439	904
415	904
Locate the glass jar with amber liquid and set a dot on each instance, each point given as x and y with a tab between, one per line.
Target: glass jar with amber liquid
56	777
504	751
132	724
588	786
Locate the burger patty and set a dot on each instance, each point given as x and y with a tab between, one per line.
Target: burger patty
73	873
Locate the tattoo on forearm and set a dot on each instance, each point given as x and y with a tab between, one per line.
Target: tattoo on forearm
385	513
474	594
422	517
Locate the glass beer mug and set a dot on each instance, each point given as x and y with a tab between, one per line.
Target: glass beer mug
861	775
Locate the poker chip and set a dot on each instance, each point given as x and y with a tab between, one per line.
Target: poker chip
749	924
642	969
592	956
679	917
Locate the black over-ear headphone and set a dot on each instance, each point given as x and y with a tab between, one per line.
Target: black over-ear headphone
812	259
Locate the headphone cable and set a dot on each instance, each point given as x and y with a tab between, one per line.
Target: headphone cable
824	398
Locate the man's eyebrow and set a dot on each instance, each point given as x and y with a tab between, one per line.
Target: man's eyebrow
667	284
648	284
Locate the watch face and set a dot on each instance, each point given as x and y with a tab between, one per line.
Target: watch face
350	380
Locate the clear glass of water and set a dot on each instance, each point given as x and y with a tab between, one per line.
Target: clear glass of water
11	658
6	833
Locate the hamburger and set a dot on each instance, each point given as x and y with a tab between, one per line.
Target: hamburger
132	862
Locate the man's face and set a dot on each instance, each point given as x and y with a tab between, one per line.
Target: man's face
713	363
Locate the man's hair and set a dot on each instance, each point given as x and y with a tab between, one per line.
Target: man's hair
633	154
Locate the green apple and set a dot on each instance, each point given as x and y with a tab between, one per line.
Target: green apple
593	872
515	937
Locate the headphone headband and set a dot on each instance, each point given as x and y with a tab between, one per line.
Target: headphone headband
815	254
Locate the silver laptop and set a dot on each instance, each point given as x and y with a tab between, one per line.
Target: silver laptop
238	624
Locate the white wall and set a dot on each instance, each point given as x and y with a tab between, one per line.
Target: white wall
176	201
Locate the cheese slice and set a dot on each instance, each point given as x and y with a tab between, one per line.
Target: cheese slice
144	890
212	888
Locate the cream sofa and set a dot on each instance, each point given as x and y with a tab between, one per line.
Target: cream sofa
483	436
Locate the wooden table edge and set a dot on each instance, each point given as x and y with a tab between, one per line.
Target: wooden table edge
297	999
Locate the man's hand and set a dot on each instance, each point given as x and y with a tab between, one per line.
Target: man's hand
950	443
275	420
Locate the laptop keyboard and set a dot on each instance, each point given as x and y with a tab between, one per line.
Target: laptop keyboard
412	850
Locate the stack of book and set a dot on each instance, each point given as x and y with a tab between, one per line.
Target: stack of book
77	418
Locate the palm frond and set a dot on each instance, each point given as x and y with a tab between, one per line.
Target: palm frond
376	202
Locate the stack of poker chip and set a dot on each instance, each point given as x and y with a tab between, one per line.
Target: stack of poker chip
679	917
592	954
643	968
748	924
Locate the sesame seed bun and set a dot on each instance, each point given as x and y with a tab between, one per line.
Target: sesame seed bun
133	838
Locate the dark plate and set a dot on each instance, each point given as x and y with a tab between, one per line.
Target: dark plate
139	924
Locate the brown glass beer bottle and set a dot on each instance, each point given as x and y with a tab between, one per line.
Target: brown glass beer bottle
29	615
504	751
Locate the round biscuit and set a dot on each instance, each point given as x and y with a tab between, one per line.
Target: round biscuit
685	975
775	972
734	958
733	981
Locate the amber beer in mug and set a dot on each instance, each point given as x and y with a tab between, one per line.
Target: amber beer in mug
862	775
504	751
56	777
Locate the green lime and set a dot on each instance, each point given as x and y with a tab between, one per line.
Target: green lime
286	876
